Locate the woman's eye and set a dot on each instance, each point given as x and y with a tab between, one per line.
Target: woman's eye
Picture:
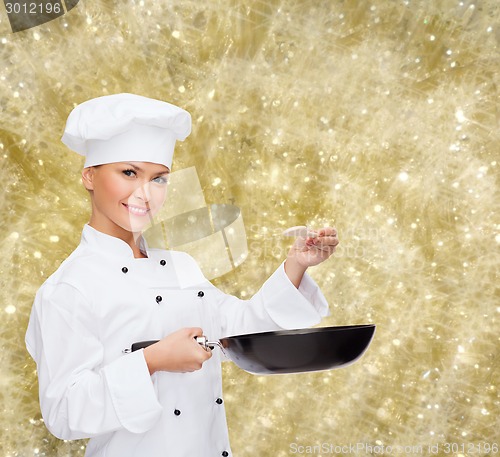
160	180
129	172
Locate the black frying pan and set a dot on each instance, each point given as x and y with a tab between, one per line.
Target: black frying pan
292	351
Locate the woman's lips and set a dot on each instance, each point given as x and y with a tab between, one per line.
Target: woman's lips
136	210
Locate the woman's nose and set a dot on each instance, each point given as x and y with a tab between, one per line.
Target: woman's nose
143	192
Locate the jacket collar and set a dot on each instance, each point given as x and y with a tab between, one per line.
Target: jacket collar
108	244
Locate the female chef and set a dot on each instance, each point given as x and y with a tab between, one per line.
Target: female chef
113	290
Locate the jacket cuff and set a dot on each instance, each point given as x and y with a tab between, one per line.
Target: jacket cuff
292	308
132	392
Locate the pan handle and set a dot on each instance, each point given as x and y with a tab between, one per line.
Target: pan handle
201	340
142	345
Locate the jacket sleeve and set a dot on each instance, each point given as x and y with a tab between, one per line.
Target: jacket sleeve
277	305
79	396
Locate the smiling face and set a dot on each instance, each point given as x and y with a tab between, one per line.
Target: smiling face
125	195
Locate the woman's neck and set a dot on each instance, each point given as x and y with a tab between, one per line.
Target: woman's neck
133	239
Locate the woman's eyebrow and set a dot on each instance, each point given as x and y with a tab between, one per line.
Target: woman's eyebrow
135	167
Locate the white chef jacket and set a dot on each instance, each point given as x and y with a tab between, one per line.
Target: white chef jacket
99	302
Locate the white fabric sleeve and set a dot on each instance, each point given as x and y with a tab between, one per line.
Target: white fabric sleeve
79	397
277	305
290	307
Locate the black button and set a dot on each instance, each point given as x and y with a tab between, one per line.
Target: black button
219	401
158	299
201	293
225	454
124	269
163	262
177	412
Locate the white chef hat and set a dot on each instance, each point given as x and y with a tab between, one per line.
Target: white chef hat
126	127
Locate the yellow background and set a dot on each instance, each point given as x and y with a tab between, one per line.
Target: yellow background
378	117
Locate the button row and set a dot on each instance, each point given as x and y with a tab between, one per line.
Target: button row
219	401
162	263
159	298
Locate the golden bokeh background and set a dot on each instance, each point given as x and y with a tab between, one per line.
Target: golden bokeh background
378	117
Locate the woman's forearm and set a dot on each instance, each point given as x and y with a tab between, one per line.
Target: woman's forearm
294	271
